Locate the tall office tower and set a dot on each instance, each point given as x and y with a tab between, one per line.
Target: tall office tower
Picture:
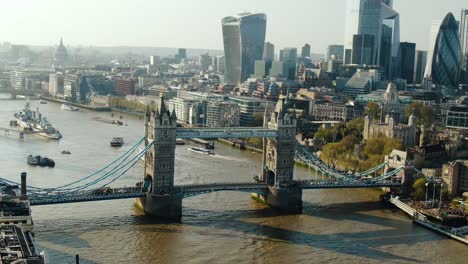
305	51
155	60
204	60
220	64
464	45
336	50
419	66
244	38
260	69
444	56
363	49
268	52
155	64
377	18
407	56
182	54
289	57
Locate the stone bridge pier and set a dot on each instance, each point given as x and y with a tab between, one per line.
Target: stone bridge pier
161	201
278	160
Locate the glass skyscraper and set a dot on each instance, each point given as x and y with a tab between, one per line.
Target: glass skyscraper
363	49
377	18
289	57
464	44
244	38
419	66
444	56
407	56
336	50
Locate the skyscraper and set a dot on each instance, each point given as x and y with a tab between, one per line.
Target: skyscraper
464	45
305	51
181	55
377	18
244	38
419	66
336	50
289	57
363	49
444	56
269	52
407	55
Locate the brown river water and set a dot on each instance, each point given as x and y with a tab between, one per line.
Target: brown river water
337	226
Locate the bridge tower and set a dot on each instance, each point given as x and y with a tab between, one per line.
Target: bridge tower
161	200
278	159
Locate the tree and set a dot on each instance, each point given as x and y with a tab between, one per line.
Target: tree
355	127
424	114
419	189
373	110
257	120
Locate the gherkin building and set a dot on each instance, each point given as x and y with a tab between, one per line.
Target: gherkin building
443	63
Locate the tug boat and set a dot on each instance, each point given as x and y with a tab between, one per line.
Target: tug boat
117	142
41	161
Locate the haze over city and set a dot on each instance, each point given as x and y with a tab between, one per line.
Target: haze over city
196	24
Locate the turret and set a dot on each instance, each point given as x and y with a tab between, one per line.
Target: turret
412	120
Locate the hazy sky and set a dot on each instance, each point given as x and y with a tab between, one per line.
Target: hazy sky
196	23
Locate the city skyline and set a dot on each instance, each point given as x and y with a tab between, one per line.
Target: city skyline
155	25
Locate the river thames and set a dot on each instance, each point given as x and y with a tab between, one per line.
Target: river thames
337	226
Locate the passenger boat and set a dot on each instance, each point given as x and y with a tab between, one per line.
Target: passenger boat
69	107
180	141
201	151
42	102
117	142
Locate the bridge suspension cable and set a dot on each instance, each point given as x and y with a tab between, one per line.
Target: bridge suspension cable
121	158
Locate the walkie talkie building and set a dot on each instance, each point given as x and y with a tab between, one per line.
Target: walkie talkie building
244	38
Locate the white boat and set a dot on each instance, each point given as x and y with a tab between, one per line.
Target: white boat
201	151
69	107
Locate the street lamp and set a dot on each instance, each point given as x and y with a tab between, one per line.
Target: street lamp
427	187
433	194
440	199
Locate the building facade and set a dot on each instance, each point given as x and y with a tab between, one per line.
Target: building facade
444	56
419	66
124	87
305	52
71	87
457	117
464	45
335	50
223	114
244	38
455	176
363	49
56	83
289	57
407	56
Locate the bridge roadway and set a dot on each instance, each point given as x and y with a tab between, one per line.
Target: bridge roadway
187	191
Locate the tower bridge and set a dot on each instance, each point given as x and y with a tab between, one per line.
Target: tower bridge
160	196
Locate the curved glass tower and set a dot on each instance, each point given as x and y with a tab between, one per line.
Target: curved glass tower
244	38
443	61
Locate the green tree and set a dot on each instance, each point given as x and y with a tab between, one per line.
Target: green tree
355	127
419	189
424	114
373	110
257	120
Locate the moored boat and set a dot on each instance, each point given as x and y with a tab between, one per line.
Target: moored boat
180	141
34	121
41	161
